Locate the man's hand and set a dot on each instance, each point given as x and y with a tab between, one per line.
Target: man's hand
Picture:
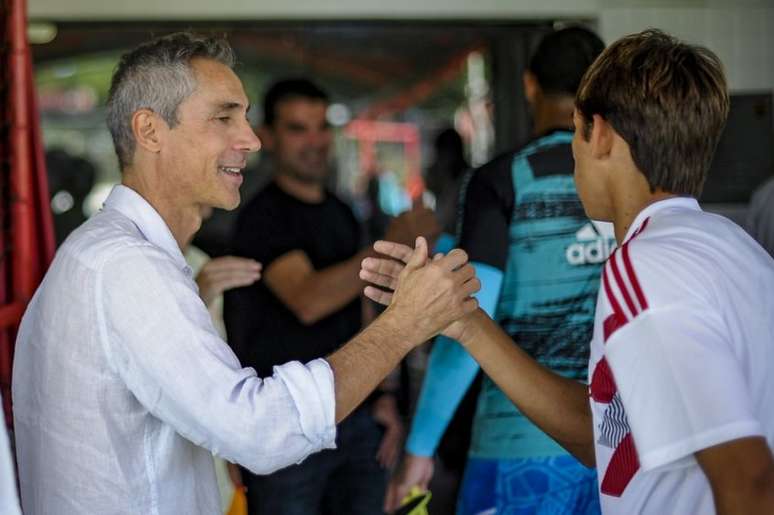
428	295
223	273
386	272
385	412
415	471
408	226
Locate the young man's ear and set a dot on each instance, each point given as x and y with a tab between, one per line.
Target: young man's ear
148	129
602	136
266	135
531	86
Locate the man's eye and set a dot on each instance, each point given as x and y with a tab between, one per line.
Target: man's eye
224	119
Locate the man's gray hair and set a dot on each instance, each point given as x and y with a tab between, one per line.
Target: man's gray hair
157	75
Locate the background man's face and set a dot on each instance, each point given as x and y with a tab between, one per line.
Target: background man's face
300	139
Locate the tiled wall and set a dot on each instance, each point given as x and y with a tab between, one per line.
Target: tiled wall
743	37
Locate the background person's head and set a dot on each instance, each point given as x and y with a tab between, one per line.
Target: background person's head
558	64
666	99
296	131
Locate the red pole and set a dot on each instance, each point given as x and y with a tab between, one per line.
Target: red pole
31	242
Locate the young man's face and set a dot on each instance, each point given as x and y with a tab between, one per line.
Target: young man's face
300	139
206	152
590	179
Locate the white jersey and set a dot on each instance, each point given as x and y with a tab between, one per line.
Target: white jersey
681	356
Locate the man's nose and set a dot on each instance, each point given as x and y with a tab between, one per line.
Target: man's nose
248	141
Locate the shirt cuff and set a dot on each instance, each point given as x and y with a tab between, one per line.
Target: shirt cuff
312	390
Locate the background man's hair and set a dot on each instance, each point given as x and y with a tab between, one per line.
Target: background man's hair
289	89
668	100
157	75
562	57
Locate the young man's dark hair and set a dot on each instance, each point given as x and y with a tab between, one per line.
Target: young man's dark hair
562	58
289	89
668	100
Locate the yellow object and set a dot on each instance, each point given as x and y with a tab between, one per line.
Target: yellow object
413	496
238	503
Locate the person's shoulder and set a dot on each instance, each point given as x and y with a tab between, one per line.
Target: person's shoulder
678	257
493	176
101	238
498	166
551	159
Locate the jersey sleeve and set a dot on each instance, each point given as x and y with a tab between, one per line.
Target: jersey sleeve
681	385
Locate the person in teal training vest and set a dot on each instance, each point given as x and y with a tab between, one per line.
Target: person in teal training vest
538	258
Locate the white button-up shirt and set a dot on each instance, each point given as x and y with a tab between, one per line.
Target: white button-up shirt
9	502
121	384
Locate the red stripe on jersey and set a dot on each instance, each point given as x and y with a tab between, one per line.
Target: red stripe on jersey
621	469
641	228
603	386
622	286
609	292
632	276
612	324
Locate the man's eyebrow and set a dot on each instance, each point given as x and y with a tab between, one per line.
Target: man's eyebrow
231	106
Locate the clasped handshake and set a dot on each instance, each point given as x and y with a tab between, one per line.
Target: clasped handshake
427	295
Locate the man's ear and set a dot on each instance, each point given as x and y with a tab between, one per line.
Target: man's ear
148	129
531	86
266	135
602	135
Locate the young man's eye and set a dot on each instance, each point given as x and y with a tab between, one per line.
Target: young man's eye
224	119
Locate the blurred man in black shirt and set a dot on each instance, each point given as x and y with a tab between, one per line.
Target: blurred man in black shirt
309	303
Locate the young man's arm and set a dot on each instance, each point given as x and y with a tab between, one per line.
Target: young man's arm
741	474
557	405
314	294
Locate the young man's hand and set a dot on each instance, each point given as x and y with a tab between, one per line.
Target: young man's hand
387	273
427	295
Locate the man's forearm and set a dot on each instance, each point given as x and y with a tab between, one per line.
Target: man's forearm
328	290
361	365
557	405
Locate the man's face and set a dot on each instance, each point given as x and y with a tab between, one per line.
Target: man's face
206	152
300	139
589	178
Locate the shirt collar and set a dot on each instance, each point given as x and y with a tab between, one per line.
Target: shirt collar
149	222
669	203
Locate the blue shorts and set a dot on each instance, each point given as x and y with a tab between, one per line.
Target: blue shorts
555	485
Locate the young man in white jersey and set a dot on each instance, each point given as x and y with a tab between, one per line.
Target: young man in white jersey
678	415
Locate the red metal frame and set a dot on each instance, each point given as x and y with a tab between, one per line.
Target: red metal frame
28	230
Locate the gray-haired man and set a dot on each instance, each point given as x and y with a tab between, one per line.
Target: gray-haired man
122	386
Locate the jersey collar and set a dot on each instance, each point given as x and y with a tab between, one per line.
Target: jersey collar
640	221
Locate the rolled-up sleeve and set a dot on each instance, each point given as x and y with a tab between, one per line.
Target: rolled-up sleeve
160	340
